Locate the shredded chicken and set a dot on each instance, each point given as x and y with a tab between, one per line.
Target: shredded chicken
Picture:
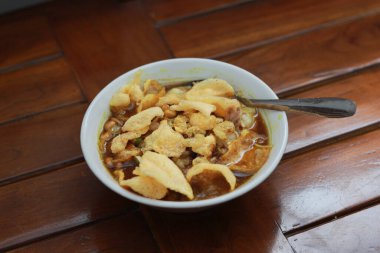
225	131
193	130
202	145
180	124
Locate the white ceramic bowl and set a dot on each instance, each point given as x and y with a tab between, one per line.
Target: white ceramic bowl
184	69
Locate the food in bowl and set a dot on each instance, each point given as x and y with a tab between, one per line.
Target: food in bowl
182	143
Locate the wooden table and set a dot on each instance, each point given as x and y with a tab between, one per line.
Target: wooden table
54	58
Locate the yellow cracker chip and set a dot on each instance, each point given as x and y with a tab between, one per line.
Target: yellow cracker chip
153	87
149	100
146	186
120	100
142	119
133	88
211	87
202	121
164	171
166	141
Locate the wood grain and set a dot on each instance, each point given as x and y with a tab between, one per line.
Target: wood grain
105	39
37	88
314	57
293	45
257	23
241	225
306	130
40	141
325	182
53	202
127	233
359	232
19	43
161	10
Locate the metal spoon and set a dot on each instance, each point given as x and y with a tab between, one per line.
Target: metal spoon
328	107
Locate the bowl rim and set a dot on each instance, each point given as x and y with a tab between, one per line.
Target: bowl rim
246	187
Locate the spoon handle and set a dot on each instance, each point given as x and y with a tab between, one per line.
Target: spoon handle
328	107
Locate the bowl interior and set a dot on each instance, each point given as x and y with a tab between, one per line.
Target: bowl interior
169	71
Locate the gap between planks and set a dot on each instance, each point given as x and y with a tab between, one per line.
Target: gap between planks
332	140
30	63
59	43
50	168
295	34
171	21
339	75
282	94
49	109
331	218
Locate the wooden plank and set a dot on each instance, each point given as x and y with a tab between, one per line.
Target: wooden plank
325	182
105	40
364	89
359	232
53	202
256	23
161	10
315	56
40	141
24	40
241	225
37	88
128	233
